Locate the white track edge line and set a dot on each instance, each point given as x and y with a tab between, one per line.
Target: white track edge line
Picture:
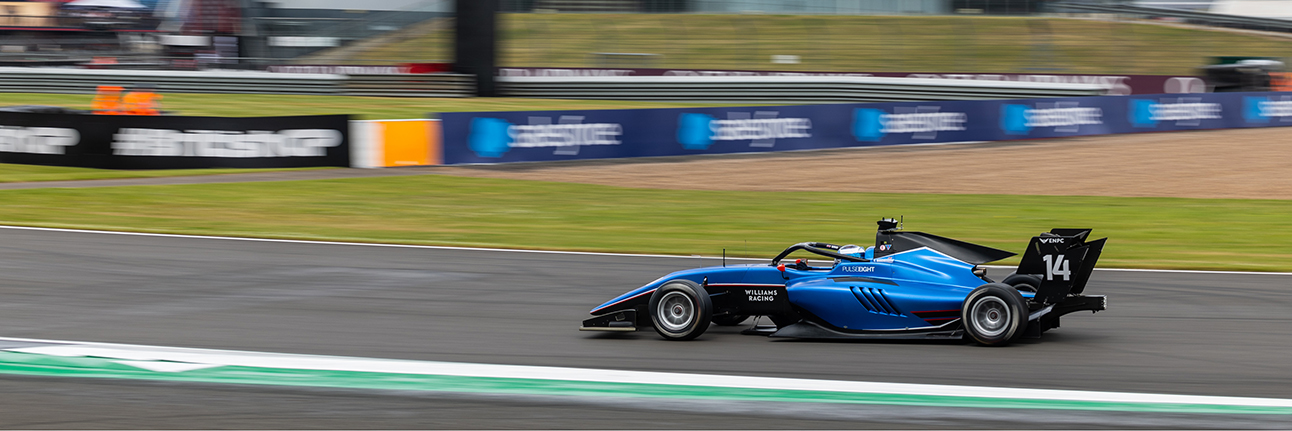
358	364
361	244
516	250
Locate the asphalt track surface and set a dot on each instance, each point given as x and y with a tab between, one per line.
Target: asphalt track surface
1175	333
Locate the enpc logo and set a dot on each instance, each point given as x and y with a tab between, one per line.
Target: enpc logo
868	124
1262	109
1013	119
1184	111
922	122
1252	111
1064	117
693	131
1141	113
489	137
492	137
760	128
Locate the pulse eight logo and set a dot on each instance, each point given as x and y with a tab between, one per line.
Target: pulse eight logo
492	137
1064	117
762	129
922	122
1184	111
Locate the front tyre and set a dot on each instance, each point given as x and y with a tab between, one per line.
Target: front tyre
680	310
994	314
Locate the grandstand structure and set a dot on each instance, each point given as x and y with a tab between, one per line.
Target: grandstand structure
37	32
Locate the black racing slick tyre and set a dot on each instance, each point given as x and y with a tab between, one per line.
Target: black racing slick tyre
994	314
680	310
730	319
1023	281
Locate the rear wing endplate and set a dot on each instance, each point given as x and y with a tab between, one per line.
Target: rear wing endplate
1063	260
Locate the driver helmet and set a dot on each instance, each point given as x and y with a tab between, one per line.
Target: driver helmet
852	250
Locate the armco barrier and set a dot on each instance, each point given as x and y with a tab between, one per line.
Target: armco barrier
498	137
783	89
739	89
165	142
1117	85
85	81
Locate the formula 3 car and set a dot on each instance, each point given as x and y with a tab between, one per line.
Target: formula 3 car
909	285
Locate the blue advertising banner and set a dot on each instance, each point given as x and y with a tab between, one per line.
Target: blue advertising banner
499	137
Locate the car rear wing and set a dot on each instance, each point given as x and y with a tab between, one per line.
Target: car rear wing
1063	260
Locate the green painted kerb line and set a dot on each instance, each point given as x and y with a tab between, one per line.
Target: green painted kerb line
56	366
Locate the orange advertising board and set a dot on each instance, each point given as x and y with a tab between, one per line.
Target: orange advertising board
410	142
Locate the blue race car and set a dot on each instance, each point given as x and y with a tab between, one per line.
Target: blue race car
909	285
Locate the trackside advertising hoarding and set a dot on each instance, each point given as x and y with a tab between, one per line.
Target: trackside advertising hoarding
499	137
166	142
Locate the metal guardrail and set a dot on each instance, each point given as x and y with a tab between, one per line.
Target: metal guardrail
784	89
742	89
410	85
86	81
1205	18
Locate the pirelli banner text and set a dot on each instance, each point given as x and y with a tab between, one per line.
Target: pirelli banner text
166	142
499	137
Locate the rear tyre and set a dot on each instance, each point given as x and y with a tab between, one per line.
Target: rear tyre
994	314
1023	281
730	319
680	310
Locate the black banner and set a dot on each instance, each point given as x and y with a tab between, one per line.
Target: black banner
165	142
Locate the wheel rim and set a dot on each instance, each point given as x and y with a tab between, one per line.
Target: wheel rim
676	312
990	316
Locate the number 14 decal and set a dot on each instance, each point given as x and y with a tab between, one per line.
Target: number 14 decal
1056	264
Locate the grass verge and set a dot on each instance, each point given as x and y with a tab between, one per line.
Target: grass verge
12	173
442	210
852	43
363	108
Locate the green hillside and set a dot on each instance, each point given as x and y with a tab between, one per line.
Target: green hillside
844	43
